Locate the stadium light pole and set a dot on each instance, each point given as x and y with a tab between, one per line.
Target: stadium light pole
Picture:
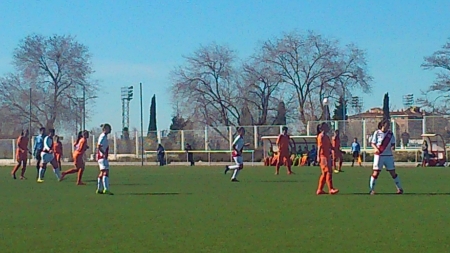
142	126
325	103
408	100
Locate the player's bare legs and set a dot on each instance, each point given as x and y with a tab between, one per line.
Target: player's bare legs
24	168
15	169
277	167
289	166
326	177
68	172
80	176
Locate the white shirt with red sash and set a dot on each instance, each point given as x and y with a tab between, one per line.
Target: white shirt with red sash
384	142
238	143
103	143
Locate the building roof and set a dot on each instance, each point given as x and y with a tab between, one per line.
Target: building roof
376	112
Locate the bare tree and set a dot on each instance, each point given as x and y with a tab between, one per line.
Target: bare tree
437	96
259	86
207	86
56	68
313	67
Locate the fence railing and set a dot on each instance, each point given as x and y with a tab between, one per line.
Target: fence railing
407	132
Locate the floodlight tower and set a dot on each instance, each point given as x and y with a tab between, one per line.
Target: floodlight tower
126	96
408	100
357	104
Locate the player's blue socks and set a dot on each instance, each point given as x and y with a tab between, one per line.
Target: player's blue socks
41	173
372	182
105	183
397	182
57	173
99	184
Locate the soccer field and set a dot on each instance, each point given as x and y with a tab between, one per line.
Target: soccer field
184	209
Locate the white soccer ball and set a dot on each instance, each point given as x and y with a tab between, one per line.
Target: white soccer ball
325	101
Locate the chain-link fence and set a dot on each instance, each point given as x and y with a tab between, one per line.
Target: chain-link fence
407	132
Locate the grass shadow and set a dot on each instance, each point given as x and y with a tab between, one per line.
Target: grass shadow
129	184
155	193
279	181
406	193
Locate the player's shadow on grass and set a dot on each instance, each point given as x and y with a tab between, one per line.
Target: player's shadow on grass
129	184
279	181
155	193
406	193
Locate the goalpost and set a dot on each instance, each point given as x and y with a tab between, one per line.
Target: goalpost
214	157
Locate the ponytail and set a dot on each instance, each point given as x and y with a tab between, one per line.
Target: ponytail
80	135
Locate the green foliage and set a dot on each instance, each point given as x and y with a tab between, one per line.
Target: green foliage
178	123
281	114
340	110
386	109
152	126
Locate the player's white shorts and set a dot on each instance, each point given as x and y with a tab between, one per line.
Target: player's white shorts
47	157
239	160
103	164
386	161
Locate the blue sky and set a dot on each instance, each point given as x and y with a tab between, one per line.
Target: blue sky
142	41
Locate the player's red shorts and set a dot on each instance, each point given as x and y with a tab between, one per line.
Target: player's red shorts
325	164
20	157
58	157
337	155
78	161
284	158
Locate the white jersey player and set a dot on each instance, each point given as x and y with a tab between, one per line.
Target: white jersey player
47	156
383	142
238	147
102	159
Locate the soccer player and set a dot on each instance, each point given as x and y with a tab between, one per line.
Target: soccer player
325	161
21	155
238	147
337	152
81	147
37	149
102	159
383	142
58	150
283	143
356	149
48	156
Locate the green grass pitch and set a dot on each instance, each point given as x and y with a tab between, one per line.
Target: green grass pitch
184	209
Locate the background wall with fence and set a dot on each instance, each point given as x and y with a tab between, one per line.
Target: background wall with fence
221	138
407	131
